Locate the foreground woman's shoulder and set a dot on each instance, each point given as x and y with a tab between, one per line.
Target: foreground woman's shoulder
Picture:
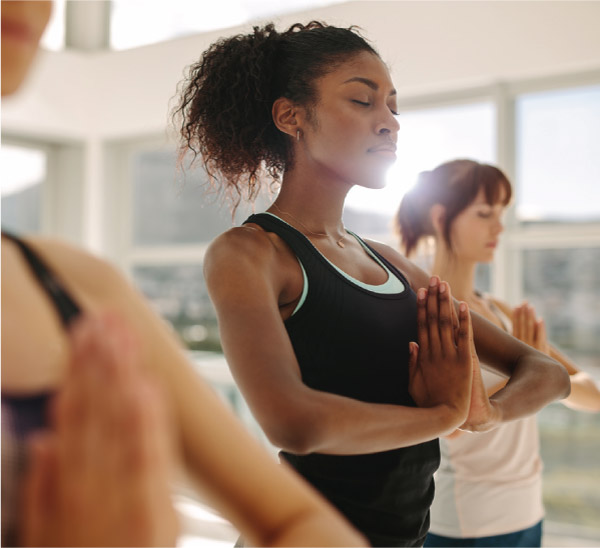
78	268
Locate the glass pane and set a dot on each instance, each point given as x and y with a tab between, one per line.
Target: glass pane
558	155
563	285
23	173
427	138
169	208
179	295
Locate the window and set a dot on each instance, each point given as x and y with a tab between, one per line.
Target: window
172	219
563	284
24	171
558	155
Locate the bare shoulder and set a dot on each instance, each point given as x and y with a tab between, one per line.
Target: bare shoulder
81	270
416	276
245	257
240	249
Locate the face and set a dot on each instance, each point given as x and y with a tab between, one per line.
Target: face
353	133
22	26
476	230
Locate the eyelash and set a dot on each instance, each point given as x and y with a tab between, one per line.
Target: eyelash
364	104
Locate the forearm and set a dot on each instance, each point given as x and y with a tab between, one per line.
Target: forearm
585	393
319	528
536	381
332	424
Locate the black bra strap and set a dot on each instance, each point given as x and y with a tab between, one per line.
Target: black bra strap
67	309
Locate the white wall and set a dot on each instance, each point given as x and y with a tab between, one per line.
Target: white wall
430	46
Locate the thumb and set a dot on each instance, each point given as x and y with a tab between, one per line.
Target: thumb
413	349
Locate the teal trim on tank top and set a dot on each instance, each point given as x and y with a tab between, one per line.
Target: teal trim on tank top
391	286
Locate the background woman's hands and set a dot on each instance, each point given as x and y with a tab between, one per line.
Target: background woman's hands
530	329
100	475
440	365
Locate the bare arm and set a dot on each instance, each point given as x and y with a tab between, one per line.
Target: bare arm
294	416
535	379
265	501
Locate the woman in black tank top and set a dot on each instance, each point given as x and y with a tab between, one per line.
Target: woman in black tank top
320	328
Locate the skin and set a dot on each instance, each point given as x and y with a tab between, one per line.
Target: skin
335	152
474	235
23	24
105	371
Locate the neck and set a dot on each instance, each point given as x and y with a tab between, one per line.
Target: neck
458	273
315	202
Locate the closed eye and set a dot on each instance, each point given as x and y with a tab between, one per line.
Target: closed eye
363	103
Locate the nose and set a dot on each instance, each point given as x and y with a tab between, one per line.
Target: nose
498	226
388	125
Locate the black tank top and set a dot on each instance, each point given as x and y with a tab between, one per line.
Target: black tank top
21	416
354	342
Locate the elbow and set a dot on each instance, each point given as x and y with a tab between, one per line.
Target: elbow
295	435
564	382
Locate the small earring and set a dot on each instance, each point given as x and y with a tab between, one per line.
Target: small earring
297	135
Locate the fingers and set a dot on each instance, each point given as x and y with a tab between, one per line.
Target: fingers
37	503
541	339
422	323
446	323
465	333
413	356
433	314
436	318
525	324
530	324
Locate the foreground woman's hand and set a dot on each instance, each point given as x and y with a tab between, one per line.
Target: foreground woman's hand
482	414
100	475
440	366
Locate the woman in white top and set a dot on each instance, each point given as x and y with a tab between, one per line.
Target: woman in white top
488	487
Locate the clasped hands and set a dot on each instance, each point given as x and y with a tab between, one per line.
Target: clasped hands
444	367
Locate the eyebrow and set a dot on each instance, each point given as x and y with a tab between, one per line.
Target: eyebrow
373	85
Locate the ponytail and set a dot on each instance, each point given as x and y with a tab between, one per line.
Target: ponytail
224	111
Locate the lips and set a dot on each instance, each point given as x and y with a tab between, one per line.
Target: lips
387	149
17	31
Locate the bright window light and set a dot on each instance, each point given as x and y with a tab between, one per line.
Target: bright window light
54	36
21	168
558	155
141	22
426	139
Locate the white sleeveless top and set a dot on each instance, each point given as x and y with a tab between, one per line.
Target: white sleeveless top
489	483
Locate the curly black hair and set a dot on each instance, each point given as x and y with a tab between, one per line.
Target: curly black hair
224	109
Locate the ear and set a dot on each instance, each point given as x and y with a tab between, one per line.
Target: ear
437	216
286	116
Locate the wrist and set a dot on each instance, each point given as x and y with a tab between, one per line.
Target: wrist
449	418
493	419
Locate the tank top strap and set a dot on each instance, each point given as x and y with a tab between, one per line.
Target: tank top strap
66	306
298	242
